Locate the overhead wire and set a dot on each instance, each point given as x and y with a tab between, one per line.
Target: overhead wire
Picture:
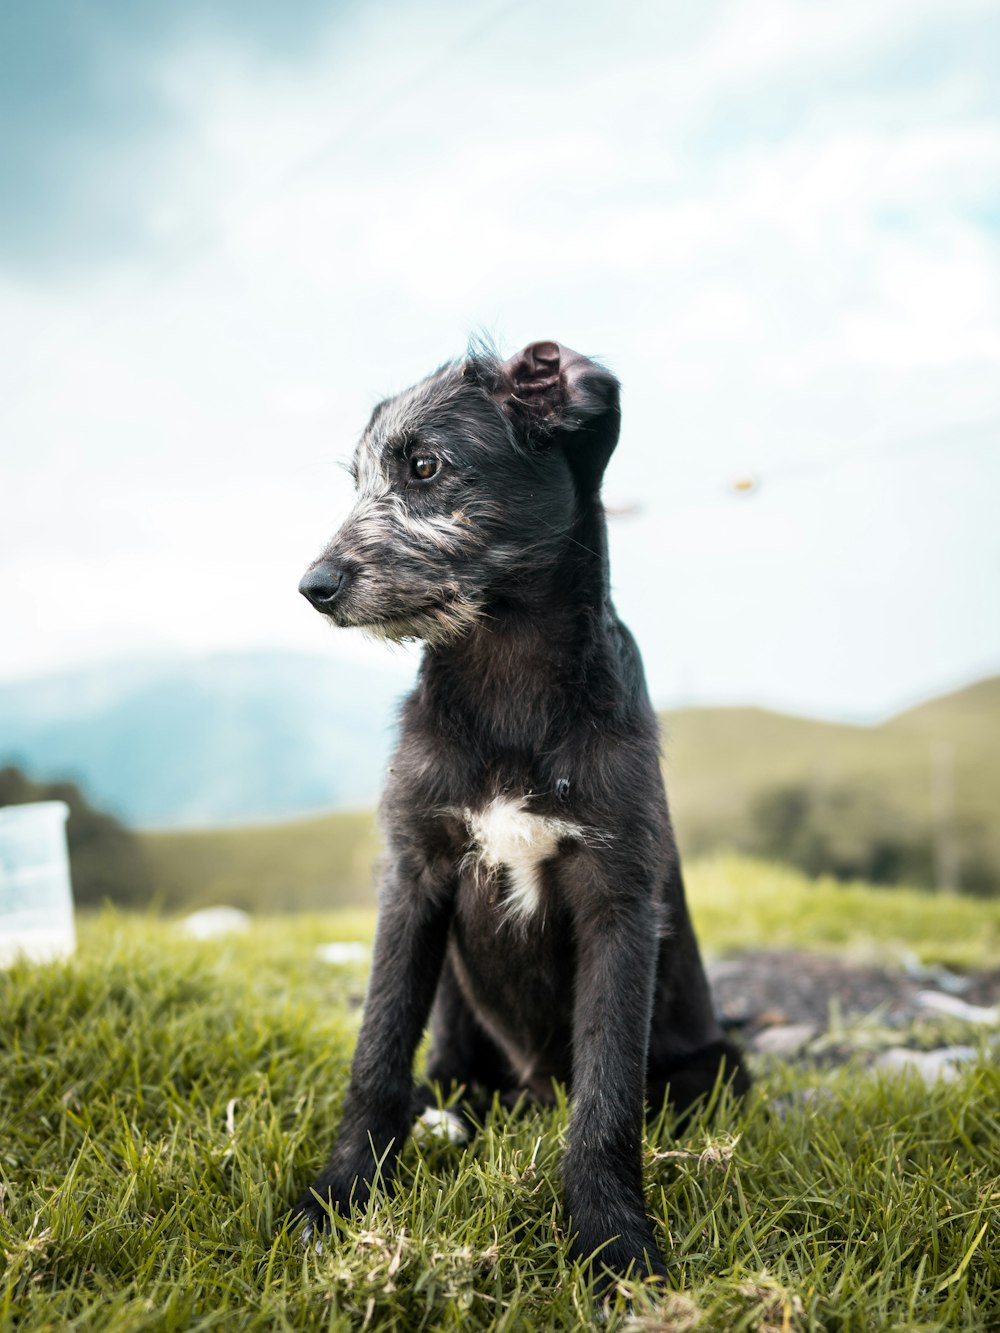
968	434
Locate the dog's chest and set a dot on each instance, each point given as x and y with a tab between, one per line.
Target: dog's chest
508	842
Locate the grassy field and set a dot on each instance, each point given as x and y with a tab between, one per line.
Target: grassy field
717	761
161	1102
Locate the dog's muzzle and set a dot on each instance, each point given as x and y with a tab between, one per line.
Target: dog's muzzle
324	585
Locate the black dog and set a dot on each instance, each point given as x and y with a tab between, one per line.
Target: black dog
532	893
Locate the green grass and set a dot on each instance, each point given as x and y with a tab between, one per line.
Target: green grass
737	903
162	1101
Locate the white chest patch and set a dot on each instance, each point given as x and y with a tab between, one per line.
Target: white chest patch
506	835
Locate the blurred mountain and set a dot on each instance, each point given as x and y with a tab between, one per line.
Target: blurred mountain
227	738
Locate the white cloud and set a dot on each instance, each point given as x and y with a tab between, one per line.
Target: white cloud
783	296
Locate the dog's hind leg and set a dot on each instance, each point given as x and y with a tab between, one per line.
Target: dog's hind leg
463	1056
687	1049
692	1077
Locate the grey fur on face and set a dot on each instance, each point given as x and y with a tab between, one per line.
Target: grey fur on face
424	559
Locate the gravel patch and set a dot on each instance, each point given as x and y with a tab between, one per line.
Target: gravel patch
823	1009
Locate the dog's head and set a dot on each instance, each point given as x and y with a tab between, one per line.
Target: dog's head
470	485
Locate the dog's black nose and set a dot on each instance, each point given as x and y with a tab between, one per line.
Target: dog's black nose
322	585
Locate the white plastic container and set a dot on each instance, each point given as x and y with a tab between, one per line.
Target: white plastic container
36	896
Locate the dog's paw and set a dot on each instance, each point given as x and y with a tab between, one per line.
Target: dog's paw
308	1238
312	1217
440	1125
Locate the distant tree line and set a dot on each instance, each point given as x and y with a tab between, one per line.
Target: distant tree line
852	831
107	860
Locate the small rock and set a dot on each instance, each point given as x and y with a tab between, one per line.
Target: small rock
942	976
721	968
212	921
944	1063
956	1008
343	951
770	1018
784	1040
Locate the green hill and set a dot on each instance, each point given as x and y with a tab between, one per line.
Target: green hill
933	771
312	864
932	768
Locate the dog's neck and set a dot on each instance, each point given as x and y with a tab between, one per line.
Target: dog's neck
540	655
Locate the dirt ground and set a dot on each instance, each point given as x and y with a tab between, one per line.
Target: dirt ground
781	1001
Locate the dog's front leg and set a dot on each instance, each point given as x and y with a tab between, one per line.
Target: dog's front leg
602	1172
410	942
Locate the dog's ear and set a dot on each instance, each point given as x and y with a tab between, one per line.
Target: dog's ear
553	393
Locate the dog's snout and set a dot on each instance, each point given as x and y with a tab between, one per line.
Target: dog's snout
323	584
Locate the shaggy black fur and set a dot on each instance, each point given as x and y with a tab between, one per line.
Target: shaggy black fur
532	905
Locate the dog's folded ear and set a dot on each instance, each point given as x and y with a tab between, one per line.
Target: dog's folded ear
552	393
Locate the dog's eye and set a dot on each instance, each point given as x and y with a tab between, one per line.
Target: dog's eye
423	466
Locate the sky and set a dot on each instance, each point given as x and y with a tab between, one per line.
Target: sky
228	229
